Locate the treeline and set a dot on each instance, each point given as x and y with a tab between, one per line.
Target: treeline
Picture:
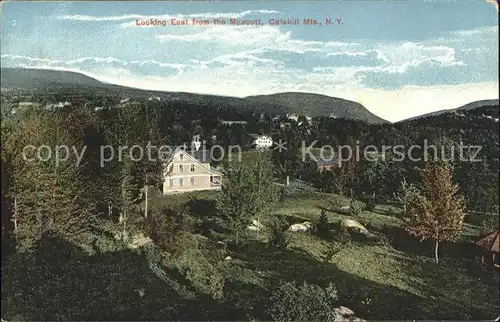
68	192
469	142
37	195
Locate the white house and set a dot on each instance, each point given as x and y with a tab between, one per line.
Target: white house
263	142
189	171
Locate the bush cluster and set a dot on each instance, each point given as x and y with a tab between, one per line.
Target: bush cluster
306	302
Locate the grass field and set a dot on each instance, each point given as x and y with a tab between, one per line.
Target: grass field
396	281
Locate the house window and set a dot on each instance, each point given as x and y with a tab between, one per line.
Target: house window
181	157
192	167
181	182
192	181
181	168
171	183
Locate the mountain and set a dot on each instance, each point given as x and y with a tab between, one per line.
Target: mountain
477	104
469	106
318	105
289	102
39	78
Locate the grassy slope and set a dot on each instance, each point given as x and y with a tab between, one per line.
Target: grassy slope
403	276
377	282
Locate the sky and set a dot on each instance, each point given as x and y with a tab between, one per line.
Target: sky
397	58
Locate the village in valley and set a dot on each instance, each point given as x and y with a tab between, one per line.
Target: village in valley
124	201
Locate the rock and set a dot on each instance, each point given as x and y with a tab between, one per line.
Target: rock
256	223
345	314
307	224
345	208
345	311
141	291
139	240
299	227
253	228
228	258
350	223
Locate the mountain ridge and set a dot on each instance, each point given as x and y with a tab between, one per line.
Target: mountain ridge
290	102
468	106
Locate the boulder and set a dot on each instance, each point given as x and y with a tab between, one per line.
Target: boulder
353	224
256	223
345	314
303	227
253	228
357	227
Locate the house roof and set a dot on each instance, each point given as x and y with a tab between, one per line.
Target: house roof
213	169
491	242
202	156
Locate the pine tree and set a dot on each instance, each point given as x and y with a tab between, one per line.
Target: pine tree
322	225
438	213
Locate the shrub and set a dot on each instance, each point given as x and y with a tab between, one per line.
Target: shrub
342	235
335	205
201	208
384	241
354	208
164	228
306	302
490	223
278	237
370	204
201	264
322	226
333	249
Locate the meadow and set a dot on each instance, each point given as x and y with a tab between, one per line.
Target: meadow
393	280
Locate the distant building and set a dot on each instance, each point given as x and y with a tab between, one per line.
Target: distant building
327	163
195	143
190	171
263	142
489	248
233	122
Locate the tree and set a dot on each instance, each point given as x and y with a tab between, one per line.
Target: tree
51	193
246	192
406	194
287	155
322	225
438	213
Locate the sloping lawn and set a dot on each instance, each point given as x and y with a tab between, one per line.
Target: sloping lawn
393	281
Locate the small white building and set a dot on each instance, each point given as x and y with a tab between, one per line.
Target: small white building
263	142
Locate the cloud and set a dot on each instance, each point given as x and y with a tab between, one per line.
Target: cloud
392	79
